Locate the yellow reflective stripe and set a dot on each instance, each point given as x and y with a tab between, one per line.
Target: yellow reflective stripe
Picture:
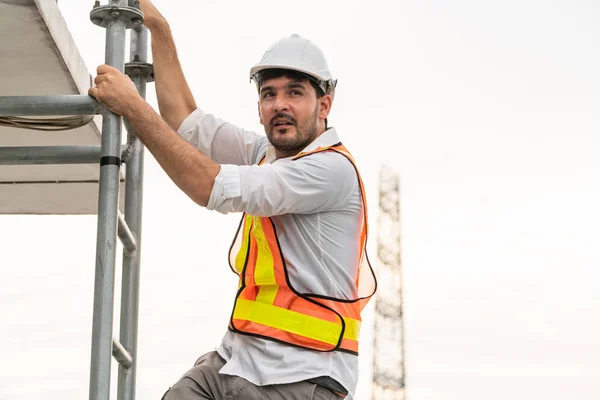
287	320
352	331
240	258
264	272
295	322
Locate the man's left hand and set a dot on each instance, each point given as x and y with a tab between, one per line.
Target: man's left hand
115	90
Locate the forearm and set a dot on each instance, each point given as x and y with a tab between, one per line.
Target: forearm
189	169
175	99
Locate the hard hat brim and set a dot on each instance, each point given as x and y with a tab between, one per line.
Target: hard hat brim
255	70
326	85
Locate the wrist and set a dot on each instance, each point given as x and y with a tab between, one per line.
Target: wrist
135	107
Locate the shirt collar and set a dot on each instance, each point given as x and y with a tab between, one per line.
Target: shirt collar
327	138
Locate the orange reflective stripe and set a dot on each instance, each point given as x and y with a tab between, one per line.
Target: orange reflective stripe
351	345
271	237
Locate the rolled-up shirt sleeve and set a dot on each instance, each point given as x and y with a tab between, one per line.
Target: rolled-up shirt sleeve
223	142
316	183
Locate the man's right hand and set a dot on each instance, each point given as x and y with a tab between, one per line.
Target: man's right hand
151	14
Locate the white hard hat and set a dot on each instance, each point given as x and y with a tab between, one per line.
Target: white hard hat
297	54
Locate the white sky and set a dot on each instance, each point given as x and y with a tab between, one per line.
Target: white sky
489	111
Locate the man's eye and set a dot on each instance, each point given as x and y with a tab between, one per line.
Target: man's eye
267	95
295	92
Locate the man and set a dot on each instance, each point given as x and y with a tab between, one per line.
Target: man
300	247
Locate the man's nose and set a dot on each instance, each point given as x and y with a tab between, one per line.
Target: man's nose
280	104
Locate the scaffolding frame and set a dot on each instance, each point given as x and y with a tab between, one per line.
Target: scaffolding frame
116	18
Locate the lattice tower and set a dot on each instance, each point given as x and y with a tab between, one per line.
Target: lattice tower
388	353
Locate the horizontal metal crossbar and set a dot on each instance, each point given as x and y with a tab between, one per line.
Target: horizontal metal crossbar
29	155
49	155
12	106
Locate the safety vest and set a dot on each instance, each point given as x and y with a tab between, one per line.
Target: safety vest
268	306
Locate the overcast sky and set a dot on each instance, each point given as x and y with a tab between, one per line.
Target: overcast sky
489	112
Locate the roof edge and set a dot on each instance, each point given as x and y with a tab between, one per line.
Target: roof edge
57	26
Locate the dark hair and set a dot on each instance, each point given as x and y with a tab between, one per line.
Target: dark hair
268	74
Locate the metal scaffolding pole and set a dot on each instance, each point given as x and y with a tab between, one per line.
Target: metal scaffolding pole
116	17
76	104
108	203
139	72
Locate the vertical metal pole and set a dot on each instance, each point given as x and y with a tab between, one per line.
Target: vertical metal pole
108	204
133	217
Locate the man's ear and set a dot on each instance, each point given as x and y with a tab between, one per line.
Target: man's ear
260	114
325	104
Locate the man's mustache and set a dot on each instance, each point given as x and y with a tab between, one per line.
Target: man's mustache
285	117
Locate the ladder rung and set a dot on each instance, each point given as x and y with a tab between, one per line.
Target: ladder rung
129	242
121	355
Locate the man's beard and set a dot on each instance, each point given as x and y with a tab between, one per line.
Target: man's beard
305	134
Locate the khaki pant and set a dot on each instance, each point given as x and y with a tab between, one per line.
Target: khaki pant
203	382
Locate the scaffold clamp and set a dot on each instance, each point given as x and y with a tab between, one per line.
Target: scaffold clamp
138	68
102	15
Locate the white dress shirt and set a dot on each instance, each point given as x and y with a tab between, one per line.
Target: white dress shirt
315	205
